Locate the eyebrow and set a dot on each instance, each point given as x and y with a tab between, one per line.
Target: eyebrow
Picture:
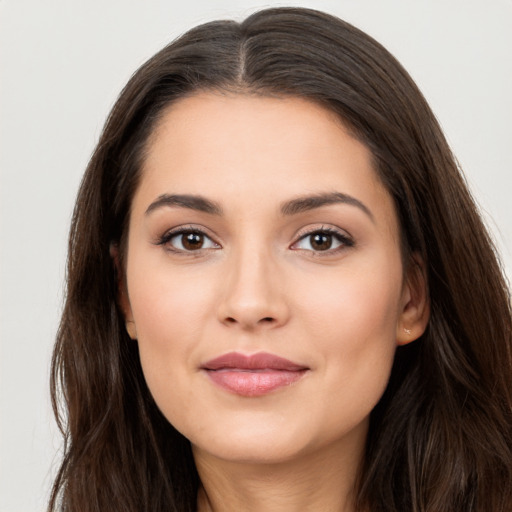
190	201
306	203
292	207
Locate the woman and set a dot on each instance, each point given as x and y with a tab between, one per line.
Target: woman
280	293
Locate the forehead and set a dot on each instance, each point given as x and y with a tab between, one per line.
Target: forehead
246	148
229	124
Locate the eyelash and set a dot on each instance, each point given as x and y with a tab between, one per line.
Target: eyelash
166	238
344	240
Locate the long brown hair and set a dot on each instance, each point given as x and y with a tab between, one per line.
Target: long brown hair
441	437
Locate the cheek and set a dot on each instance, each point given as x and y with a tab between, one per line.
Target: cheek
362	302
165	296
170	312
165	307
353	317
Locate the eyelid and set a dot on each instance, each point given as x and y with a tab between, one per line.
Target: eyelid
178	230
345	239
341	235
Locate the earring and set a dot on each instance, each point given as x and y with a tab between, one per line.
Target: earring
407	331
131	330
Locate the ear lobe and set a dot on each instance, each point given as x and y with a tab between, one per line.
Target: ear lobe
415	303
122	293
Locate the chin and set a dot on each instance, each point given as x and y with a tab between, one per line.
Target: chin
256	442
252	451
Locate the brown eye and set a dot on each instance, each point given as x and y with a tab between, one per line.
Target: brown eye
321	241
325	240
192	241
188	241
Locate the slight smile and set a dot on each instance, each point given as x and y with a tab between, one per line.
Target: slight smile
254	375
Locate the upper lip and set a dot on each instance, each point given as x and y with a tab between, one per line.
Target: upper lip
259	361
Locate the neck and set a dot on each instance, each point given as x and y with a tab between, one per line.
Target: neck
324	480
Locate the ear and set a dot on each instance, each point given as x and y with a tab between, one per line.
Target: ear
415	303
122	293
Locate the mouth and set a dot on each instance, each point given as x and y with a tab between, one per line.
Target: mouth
254	375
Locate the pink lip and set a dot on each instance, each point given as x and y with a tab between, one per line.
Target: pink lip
253	375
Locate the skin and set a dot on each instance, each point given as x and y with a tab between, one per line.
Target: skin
259	284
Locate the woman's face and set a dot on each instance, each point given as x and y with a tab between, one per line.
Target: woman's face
260	228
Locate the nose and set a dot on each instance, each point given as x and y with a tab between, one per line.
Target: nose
253	295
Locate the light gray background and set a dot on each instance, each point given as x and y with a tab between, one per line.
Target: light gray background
62	63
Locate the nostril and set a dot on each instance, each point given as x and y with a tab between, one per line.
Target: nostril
266	320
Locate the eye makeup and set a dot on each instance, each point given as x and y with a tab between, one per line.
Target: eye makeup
321	241
187	239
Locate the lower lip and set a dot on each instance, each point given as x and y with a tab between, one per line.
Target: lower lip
254	382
